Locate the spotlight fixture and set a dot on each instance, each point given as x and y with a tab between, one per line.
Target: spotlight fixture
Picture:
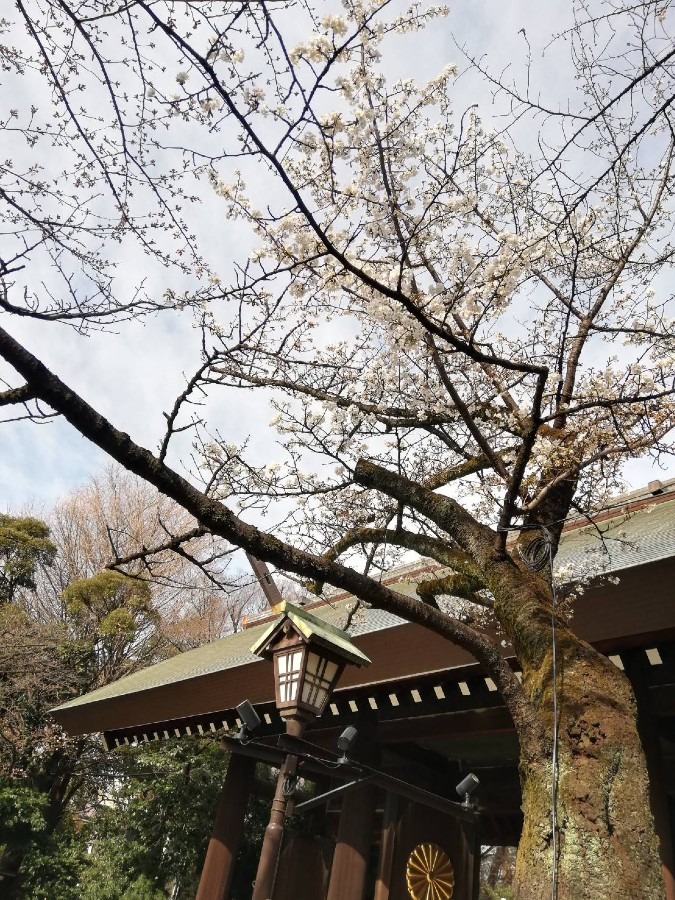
250	720
466	787
346	742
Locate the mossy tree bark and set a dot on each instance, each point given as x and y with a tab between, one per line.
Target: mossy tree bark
588	829
605	844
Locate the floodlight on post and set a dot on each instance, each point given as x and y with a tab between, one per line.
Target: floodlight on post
466	787
309	656
346	743
249	718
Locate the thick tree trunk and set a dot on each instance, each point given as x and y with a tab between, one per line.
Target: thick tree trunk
602	843
605	842
603	837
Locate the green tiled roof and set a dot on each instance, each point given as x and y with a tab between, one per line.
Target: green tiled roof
225	653
628	540
624	541
228	652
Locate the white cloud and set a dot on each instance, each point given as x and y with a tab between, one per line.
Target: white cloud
133	375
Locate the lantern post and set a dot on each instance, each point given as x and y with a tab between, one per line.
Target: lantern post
309	655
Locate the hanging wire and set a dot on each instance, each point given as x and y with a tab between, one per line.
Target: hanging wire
536	555
384	555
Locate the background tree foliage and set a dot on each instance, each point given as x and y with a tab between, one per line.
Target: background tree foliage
24	545
157	824
76	821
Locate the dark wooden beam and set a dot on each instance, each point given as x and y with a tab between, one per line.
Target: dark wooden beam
221	854
352	850
662	700
387	847
407	729
409	755
469	722
638	670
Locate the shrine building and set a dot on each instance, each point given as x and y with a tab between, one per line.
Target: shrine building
388	814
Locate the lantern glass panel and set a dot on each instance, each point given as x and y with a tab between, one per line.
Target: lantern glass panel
319	677
289	666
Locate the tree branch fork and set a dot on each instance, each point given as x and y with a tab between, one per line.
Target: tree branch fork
211	514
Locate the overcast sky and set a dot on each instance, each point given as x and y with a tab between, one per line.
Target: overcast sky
133	374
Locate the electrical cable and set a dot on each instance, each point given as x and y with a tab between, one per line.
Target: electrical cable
554	756
289	785
536	555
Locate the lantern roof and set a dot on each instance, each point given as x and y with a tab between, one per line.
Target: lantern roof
312	630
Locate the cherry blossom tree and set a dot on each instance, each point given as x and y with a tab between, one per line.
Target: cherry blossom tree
464	332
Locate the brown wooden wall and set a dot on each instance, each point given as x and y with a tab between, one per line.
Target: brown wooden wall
418	825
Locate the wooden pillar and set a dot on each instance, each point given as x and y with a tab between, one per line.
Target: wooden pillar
228	827
387	844
636	669
352	850
303	868
473	845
